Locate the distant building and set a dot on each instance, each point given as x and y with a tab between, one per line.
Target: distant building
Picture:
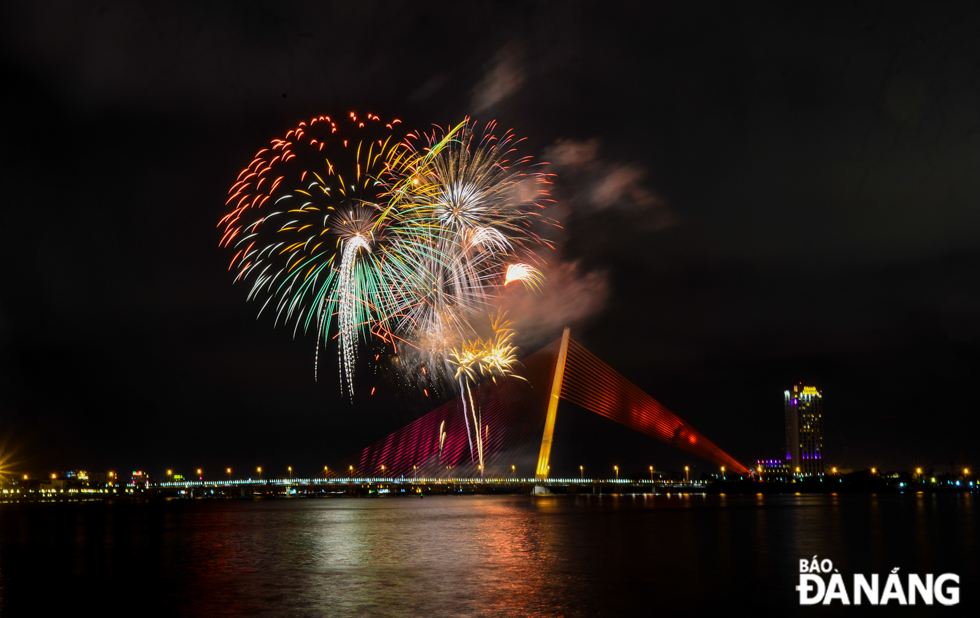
804	430
139	479
773	468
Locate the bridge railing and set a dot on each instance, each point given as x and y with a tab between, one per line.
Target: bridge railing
415	481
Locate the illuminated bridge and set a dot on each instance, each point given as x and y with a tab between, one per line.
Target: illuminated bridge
320	486
518	421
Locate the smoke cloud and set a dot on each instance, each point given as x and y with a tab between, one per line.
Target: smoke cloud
585	185
568	298
502	80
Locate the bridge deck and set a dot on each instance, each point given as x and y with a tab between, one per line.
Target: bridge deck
402	481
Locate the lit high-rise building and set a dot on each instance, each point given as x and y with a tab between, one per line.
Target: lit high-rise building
804	430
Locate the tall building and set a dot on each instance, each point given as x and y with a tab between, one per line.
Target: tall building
804	430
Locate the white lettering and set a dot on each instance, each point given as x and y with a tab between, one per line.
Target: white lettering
870	591
893	590
804	589
953	592
836	590
924	589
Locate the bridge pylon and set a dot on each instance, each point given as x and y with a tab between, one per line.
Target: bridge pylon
549	424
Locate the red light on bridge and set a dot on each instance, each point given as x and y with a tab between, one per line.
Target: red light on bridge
516	409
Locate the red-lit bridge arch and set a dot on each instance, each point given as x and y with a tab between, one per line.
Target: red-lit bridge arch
518	418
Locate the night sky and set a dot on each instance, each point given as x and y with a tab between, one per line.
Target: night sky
753	195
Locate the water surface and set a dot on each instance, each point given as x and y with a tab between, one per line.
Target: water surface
472	555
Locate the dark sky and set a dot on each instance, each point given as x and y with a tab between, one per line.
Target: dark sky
753	195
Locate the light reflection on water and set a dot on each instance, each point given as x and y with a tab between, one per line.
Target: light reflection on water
442	556
472	555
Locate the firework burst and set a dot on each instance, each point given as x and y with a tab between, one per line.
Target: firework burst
304	227
492	358
348	223
530	276
467	203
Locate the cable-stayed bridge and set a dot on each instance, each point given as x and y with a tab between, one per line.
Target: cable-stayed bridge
517	419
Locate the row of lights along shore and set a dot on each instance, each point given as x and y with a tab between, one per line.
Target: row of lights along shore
382	469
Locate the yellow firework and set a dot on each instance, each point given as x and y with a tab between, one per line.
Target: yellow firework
483	358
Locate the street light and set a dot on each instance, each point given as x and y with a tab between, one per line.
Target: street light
616	468
228	471
199	477
513	471
290	470
415	471
833	470
581	472
352	473
966	472
874	470
723	473
259	470
651	474
687	474
325	471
